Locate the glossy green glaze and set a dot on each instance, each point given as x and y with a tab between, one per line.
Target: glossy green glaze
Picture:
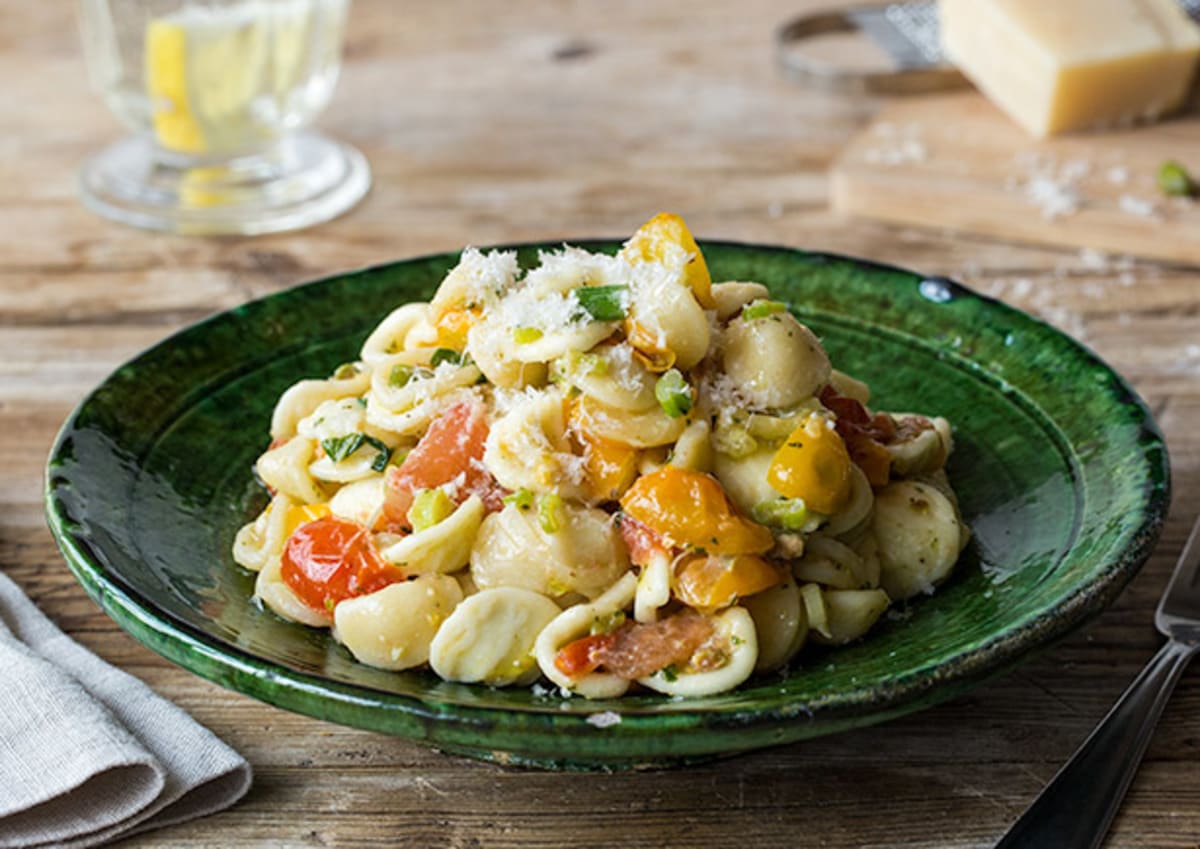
1061	472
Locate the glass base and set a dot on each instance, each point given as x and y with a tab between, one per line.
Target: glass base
302	180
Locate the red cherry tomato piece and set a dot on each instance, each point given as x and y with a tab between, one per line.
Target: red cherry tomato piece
452	446
333	559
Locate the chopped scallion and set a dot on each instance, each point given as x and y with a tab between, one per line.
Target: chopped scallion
429	507
791	514
522	499
608	623
673	393
526	335
550	512
593	364
446	355
761	309
400	375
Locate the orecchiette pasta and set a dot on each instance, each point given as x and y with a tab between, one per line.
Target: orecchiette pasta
607	472
392	628
489	637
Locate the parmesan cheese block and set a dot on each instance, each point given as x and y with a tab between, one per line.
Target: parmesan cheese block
1062	65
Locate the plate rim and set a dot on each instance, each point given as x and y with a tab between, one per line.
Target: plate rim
264	679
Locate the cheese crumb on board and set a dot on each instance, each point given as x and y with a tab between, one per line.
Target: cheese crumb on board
1070	65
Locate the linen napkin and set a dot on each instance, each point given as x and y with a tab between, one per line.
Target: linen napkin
89	753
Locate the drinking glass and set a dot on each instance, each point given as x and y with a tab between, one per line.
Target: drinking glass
218	95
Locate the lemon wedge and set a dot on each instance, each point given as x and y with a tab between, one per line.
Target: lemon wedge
219	77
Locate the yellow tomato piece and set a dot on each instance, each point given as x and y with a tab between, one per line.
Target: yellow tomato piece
175	124
813	464
453	326
710	583
303	514
660	236
609	466
691	509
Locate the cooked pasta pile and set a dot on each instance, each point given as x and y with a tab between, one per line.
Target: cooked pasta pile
608	472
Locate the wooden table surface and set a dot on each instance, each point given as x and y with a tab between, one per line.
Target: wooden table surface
488	122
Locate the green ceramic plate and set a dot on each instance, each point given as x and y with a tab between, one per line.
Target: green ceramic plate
1061	472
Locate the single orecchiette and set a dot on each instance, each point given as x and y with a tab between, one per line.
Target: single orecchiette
285	469
489	637
442	548
392	628
271	590
775	360
390	336
581	557
528	448
665	317
780	622
302	398
919	537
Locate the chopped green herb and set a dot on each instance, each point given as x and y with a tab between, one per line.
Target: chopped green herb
603	303
550	512
362	401
761	309
736	640
669	673
345	371
791	514
382	457
526	335
608	623
673	393
429	507
400	375
522	499
338	448
329	604
1174	180
446	355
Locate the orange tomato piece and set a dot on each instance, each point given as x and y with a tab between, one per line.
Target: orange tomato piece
660	234
691	509
330	560
710	583
452	446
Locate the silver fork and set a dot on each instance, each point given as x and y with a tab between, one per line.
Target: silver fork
1078	805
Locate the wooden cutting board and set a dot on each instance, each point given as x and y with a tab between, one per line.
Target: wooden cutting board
955	161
